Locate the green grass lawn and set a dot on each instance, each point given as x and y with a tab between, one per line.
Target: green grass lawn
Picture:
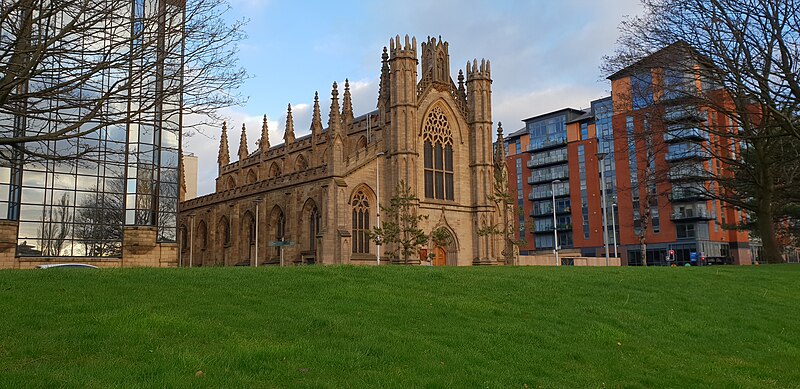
401	327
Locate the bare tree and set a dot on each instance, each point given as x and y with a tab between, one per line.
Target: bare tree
72	67
735	58
56	223
100	219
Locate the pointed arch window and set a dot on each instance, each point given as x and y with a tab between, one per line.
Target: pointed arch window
225	231
202	233
360	223
438	155
280	231
313	228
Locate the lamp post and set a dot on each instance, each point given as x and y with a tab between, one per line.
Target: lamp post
555	222
258	202
378	200
600	157
614	226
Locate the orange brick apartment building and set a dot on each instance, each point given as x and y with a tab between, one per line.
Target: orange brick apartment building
651	142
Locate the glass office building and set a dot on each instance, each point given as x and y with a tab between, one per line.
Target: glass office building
126	173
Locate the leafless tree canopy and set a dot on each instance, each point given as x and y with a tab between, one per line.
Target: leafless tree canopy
750	48
743	55
72	67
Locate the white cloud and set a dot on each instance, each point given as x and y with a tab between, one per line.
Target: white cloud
545	56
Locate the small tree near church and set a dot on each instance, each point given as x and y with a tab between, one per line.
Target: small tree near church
401	231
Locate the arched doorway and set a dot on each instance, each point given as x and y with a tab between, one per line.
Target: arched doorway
440	257
443	247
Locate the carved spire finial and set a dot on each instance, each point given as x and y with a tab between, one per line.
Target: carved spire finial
334	119
263	143
383	88
243	144
347	107
223	158
316	118
288	134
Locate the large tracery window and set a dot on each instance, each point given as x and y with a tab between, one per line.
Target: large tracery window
360	223
438	156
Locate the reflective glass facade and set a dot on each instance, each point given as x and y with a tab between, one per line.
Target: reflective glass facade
128	173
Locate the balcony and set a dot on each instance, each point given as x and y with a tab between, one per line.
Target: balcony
545	161
691	215
546	144
696	153
547	195
542	178
687	196
548	229
682	113
686	174
680	134
549	211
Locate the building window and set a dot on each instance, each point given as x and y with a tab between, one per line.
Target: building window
656	219
202	234
280	231
360	223
438	156
584	131
685	231
583	191
642	90
313	228
225	231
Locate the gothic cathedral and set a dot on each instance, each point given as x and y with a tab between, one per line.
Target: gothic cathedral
320	194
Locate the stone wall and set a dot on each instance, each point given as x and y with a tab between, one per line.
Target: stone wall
550	260
139	249
8	244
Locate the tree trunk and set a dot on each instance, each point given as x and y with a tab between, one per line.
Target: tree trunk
766	230
643	242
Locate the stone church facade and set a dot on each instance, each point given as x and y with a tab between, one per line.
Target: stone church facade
320	191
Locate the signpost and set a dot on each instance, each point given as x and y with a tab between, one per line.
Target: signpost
281	244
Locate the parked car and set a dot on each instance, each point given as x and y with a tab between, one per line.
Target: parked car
67	266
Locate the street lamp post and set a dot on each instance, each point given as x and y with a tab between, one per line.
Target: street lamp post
378	200
600	157
614	227
257	201
555	222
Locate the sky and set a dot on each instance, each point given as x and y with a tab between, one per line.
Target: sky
545	56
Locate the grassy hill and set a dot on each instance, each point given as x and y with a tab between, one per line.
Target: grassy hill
401	327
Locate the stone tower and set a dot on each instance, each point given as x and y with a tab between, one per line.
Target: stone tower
436	61
402	132
479	119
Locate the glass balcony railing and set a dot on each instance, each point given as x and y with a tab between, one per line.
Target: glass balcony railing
683	113
539	178
691	214
686	195
549	228
685	133
687	154
552	159
548	194
547	143
544	211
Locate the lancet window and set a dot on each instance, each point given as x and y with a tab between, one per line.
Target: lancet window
360	223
